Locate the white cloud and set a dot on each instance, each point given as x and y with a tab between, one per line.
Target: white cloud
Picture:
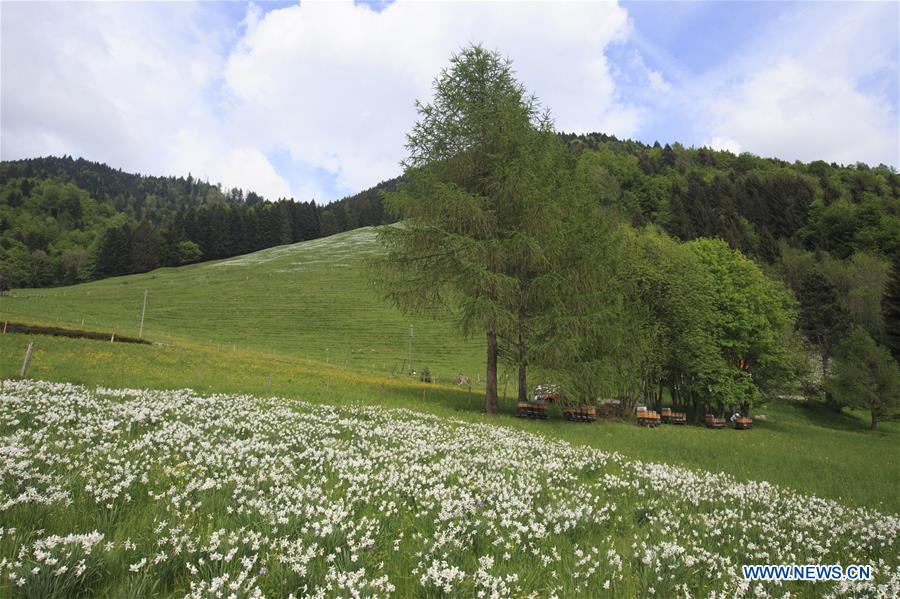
172	88
177	88
792	112
123	84
210	158
799	90
334	84
724	143
657	82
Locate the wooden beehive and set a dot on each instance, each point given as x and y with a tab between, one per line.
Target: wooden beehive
580	414
648	418
536	410
743	424
712	422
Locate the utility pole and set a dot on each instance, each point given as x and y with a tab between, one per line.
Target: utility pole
144	309
410	347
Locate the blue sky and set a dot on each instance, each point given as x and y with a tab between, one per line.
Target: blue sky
313	100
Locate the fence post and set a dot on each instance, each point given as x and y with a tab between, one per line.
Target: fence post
143	309
27	360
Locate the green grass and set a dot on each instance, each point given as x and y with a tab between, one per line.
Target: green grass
307	300
302	322
812	450
173	494
307	315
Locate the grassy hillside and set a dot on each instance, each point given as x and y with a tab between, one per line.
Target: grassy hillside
307	300
302	321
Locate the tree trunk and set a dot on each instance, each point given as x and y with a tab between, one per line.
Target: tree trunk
874	421
490	396
829	398
523	384
523	380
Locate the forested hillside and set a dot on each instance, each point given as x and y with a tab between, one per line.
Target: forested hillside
828	231
64	221
748	201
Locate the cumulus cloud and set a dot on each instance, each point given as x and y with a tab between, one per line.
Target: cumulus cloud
335	84
172	89
314	100
724	143
790	111
131	85
806	97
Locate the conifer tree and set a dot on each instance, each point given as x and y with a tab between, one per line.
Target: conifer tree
473	204
823	319
890	310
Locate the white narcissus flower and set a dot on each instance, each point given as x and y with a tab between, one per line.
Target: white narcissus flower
322	488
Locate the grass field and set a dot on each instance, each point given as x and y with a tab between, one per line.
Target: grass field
135	493
802	447
300	341
308	300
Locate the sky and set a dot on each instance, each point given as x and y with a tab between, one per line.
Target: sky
313	100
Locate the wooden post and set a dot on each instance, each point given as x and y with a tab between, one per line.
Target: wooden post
24	370
112	338
5	322
143	309
410	347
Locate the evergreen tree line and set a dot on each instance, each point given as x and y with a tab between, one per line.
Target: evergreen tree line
203	233
64	221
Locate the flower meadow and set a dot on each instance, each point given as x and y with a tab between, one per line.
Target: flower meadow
134	493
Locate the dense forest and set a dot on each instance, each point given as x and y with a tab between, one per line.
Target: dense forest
64	221
828	231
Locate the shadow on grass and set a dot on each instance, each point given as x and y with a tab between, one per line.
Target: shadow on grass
819	414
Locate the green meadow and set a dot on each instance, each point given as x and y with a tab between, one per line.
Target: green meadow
793	444
303	321
310	300
301	324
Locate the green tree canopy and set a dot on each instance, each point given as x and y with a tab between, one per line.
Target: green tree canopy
865	376
890	309
752	322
